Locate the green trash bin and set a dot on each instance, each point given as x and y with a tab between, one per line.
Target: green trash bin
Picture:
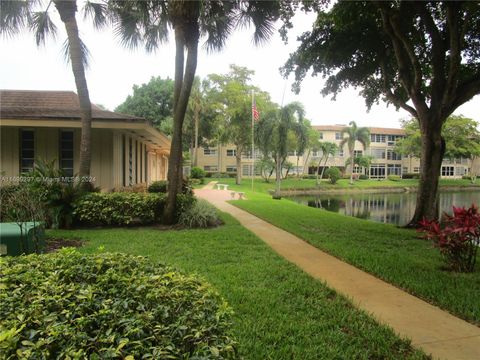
14	241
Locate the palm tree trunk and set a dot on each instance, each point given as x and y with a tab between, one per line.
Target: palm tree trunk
323	168
317	181
195	149
352	165
183	85
278	176
238	161
305	164
67	10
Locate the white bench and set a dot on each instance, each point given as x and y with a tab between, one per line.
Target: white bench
222	186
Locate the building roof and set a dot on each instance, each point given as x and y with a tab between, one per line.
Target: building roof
41	104
373	130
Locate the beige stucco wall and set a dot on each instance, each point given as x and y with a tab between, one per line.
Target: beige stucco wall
407	164
106	163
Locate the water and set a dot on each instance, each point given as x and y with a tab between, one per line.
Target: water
396	208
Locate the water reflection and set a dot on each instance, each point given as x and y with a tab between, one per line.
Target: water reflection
387	208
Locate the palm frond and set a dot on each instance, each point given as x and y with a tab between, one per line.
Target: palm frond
14	16
83	48
217	20
262	14
97	12
42	26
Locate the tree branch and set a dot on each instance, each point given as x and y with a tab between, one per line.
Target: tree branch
464	92
438	55
395	100
455	49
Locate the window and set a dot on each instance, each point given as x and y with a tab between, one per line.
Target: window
378	153
416	169
248	154
377	171
320	136
460	171
338	136
448	170
231	152
66	152
405	169
340	153
210	168
394	169
392	155
315	153
27	150
357	153
358	170
247	170
209	152
231	169
379	138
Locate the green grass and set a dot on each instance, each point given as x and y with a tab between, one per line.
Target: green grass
393	254
280	312
309	184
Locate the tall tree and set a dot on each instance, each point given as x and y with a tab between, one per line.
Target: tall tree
17	15
421	56
354	134
149	20
328	149
152	101
279	124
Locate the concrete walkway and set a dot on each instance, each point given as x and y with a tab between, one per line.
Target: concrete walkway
433	330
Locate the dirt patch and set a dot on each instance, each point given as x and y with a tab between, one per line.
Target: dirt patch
54	244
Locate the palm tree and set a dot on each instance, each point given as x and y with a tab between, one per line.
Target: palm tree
17	15
283	121
150	20
327	148
362	135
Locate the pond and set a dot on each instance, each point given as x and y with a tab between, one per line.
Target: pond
393	208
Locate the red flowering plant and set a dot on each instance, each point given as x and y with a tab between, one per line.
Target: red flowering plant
458	237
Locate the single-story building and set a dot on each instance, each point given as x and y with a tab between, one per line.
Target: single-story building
126	150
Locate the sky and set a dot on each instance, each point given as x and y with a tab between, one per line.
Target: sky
114	70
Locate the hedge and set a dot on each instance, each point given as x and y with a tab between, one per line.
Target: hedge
68	305
120	209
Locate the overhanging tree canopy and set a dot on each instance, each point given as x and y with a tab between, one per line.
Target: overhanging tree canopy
423	57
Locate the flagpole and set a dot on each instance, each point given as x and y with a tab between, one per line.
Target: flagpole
253	144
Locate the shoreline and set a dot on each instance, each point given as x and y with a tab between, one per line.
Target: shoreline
374	190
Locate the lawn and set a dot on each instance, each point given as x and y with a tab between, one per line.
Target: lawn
280	312
343	184
393	254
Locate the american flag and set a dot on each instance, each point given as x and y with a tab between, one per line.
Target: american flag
255	113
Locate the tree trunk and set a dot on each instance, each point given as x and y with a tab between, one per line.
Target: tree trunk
278	176
195	149
352	165
67	10
305	164
433	149
317	181
238	158
183	87
323	169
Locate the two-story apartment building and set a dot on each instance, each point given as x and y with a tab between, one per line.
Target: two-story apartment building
386	161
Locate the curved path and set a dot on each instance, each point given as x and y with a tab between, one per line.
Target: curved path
435	331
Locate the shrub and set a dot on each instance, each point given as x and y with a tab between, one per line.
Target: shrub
410	176
68	305
107	209
333	174
363	177
458	239
393	177
158	187
200	215
121	209
223	175
197	173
